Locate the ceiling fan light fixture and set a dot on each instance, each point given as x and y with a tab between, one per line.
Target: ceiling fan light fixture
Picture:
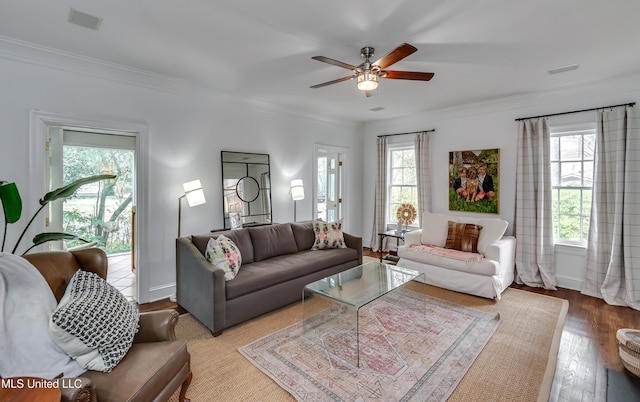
367	81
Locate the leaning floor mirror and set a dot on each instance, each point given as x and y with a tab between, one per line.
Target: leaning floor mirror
246	189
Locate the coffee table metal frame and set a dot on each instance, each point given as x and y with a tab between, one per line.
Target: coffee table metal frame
350	291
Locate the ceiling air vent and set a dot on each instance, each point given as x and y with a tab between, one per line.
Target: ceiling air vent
377	109
84	20
563	69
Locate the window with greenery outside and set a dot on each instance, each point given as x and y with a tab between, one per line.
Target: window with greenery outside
100	211
403	187
572	157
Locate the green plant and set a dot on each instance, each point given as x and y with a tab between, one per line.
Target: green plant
12	206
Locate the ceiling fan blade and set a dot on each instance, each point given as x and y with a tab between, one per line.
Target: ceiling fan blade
324	84
406	75
334	62
395	55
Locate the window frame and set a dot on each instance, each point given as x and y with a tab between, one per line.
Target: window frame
558	131
391	219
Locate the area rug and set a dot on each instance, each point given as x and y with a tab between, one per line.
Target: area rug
517	364
412	346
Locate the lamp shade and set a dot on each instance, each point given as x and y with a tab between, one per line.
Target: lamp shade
191	185
194	193
297	189
196	197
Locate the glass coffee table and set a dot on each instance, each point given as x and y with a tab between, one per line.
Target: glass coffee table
331	306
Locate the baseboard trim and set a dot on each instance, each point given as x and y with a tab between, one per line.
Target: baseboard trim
569	283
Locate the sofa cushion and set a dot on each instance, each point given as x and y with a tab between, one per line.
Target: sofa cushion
435	228
94	323
425	255
328	235
273	271
492	230
223	253
463	236
240	237
303	232
272	240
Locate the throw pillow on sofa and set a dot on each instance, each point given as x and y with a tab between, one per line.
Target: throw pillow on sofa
328	235
463	237
223	253
435	229
94	323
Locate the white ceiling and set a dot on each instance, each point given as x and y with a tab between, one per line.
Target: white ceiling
262	49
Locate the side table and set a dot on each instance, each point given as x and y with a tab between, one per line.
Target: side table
393	234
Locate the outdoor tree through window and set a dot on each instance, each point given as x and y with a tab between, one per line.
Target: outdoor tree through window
572	156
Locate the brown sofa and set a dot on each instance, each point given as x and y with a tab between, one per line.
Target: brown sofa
277	262
155	366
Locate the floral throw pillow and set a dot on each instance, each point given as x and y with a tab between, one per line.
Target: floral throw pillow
328	235
223	253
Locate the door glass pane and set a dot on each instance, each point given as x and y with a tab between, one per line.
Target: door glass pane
99	211
332	187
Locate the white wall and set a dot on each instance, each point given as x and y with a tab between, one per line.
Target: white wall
187	129
492	125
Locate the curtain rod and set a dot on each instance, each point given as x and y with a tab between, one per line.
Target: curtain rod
576	111
413	132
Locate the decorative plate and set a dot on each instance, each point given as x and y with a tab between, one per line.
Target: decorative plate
406	214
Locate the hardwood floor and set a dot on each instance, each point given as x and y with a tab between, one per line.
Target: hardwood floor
587	349
588	346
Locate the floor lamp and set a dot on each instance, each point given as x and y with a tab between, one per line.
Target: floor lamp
297	193
195	196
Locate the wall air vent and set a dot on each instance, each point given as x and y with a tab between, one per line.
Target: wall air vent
84	20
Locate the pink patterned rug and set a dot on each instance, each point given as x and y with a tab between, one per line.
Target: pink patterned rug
404	354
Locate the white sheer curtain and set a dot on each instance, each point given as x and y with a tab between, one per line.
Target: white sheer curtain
613	251
533	220
423	173
380	202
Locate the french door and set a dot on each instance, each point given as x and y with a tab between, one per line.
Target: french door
329	179
100	212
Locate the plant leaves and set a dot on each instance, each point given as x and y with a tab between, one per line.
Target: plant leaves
50	236
69	189
11	202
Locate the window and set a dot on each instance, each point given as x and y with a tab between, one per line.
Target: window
572	152
402	180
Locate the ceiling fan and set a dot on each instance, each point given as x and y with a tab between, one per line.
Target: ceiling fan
368	74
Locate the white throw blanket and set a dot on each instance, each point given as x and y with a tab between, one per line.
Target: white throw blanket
26	304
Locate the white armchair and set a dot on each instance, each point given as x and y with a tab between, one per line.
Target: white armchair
486	273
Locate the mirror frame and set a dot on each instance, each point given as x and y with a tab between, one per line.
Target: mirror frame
256	210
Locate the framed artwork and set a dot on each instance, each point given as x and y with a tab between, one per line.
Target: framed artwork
474	181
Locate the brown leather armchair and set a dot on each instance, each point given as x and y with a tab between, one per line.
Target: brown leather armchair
155	366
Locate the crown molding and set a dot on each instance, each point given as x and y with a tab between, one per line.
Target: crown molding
618	89
30	53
